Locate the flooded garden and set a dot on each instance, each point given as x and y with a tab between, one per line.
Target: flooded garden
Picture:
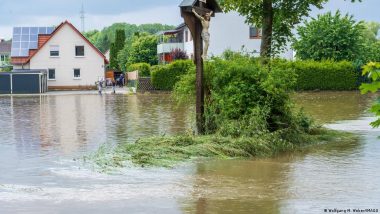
44	139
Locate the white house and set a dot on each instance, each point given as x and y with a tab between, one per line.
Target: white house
107	54
227	30
5	51
71	60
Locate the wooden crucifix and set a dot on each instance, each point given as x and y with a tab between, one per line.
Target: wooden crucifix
197	14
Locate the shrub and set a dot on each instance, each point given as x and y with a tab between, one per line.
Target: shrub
143	68
330	37
324	75
372	70
164	77
244	98
178	54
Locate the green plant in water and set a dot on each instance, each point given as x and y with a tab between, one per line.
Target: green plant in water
248	113
372	70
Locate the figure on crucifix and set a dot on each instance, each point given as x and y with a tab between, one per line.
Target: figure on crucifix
205	20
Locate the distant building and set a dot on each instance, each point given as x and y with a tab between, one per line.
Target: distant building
71	60
107	54
5	52
228	32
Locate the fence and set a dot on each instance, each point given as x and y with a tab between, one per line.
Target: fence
145	84
23	82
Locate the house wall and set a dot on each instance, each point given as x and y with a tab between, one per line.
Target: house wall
4	58
19	67
188	45
107	55
91	65
229	31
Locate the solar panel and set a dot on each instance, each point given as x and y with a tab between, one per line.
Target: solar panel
50	30
26	38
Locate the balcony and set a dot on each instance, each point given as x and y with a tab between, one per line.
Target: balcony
169	47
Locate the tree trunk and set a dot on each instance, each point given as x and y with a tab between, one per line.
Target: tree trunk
267	29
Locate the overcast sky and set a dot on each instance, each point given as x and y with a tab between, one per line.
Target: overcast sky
101	13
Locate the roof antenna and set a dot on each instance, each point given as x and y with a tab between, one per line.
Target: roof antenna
82	17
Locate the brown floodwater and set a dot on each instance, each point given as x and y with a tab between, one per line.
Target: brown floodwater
43	137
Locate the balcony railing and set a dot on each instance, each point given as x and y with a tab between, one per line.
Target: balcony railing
169	47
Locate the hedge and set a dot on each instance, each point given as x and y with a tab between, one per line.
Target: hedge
323	75
143	68
164	77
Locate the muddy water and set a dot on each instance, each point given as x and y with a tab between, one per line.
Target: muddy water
42	136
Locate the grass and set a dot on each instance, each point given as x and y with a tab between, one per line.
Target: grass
169	151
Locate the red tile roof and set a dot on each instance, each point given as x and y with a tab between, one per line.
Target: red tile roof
42	40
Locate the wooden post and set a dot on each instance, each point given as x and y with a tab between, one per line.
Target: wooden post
198	51
195	26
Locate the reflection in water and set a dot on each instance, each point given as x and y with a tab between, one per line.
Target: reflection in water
71	123
237	187
327	107
41	135
328	176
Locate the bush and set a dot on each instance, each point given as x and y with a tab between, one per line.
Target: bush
330	37
143	68
324	75
244	98
178	54
164	77
372	70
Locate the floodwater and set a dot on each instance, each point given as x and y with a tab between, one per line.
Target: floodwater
43	138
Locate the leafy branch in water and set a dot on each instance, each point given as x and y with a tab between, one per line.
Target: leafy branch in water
372	70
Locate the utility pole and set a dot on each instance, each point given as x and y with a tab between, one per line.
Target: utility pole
82	17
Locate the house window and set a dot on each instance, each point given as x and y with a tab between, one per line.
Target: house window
51	74
54	50
2	58
79	50
186	36
254	33
76	73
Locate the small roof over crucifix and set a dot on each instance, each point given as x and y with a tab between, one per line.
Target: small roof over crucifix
213	5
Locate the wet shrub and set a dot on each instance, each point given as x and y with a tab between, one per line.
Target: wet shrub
143	68
164	77
248	113
245	98
323	75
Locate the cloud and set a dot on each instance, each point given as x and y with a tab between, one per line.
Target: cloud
163	14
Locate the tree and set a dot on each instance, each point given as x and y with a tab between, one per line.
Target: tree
102	42
372	70
106	36
92	35
371	45
276	18
113	57
123	55
371	31
117	46
144	49
330	37
119	40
